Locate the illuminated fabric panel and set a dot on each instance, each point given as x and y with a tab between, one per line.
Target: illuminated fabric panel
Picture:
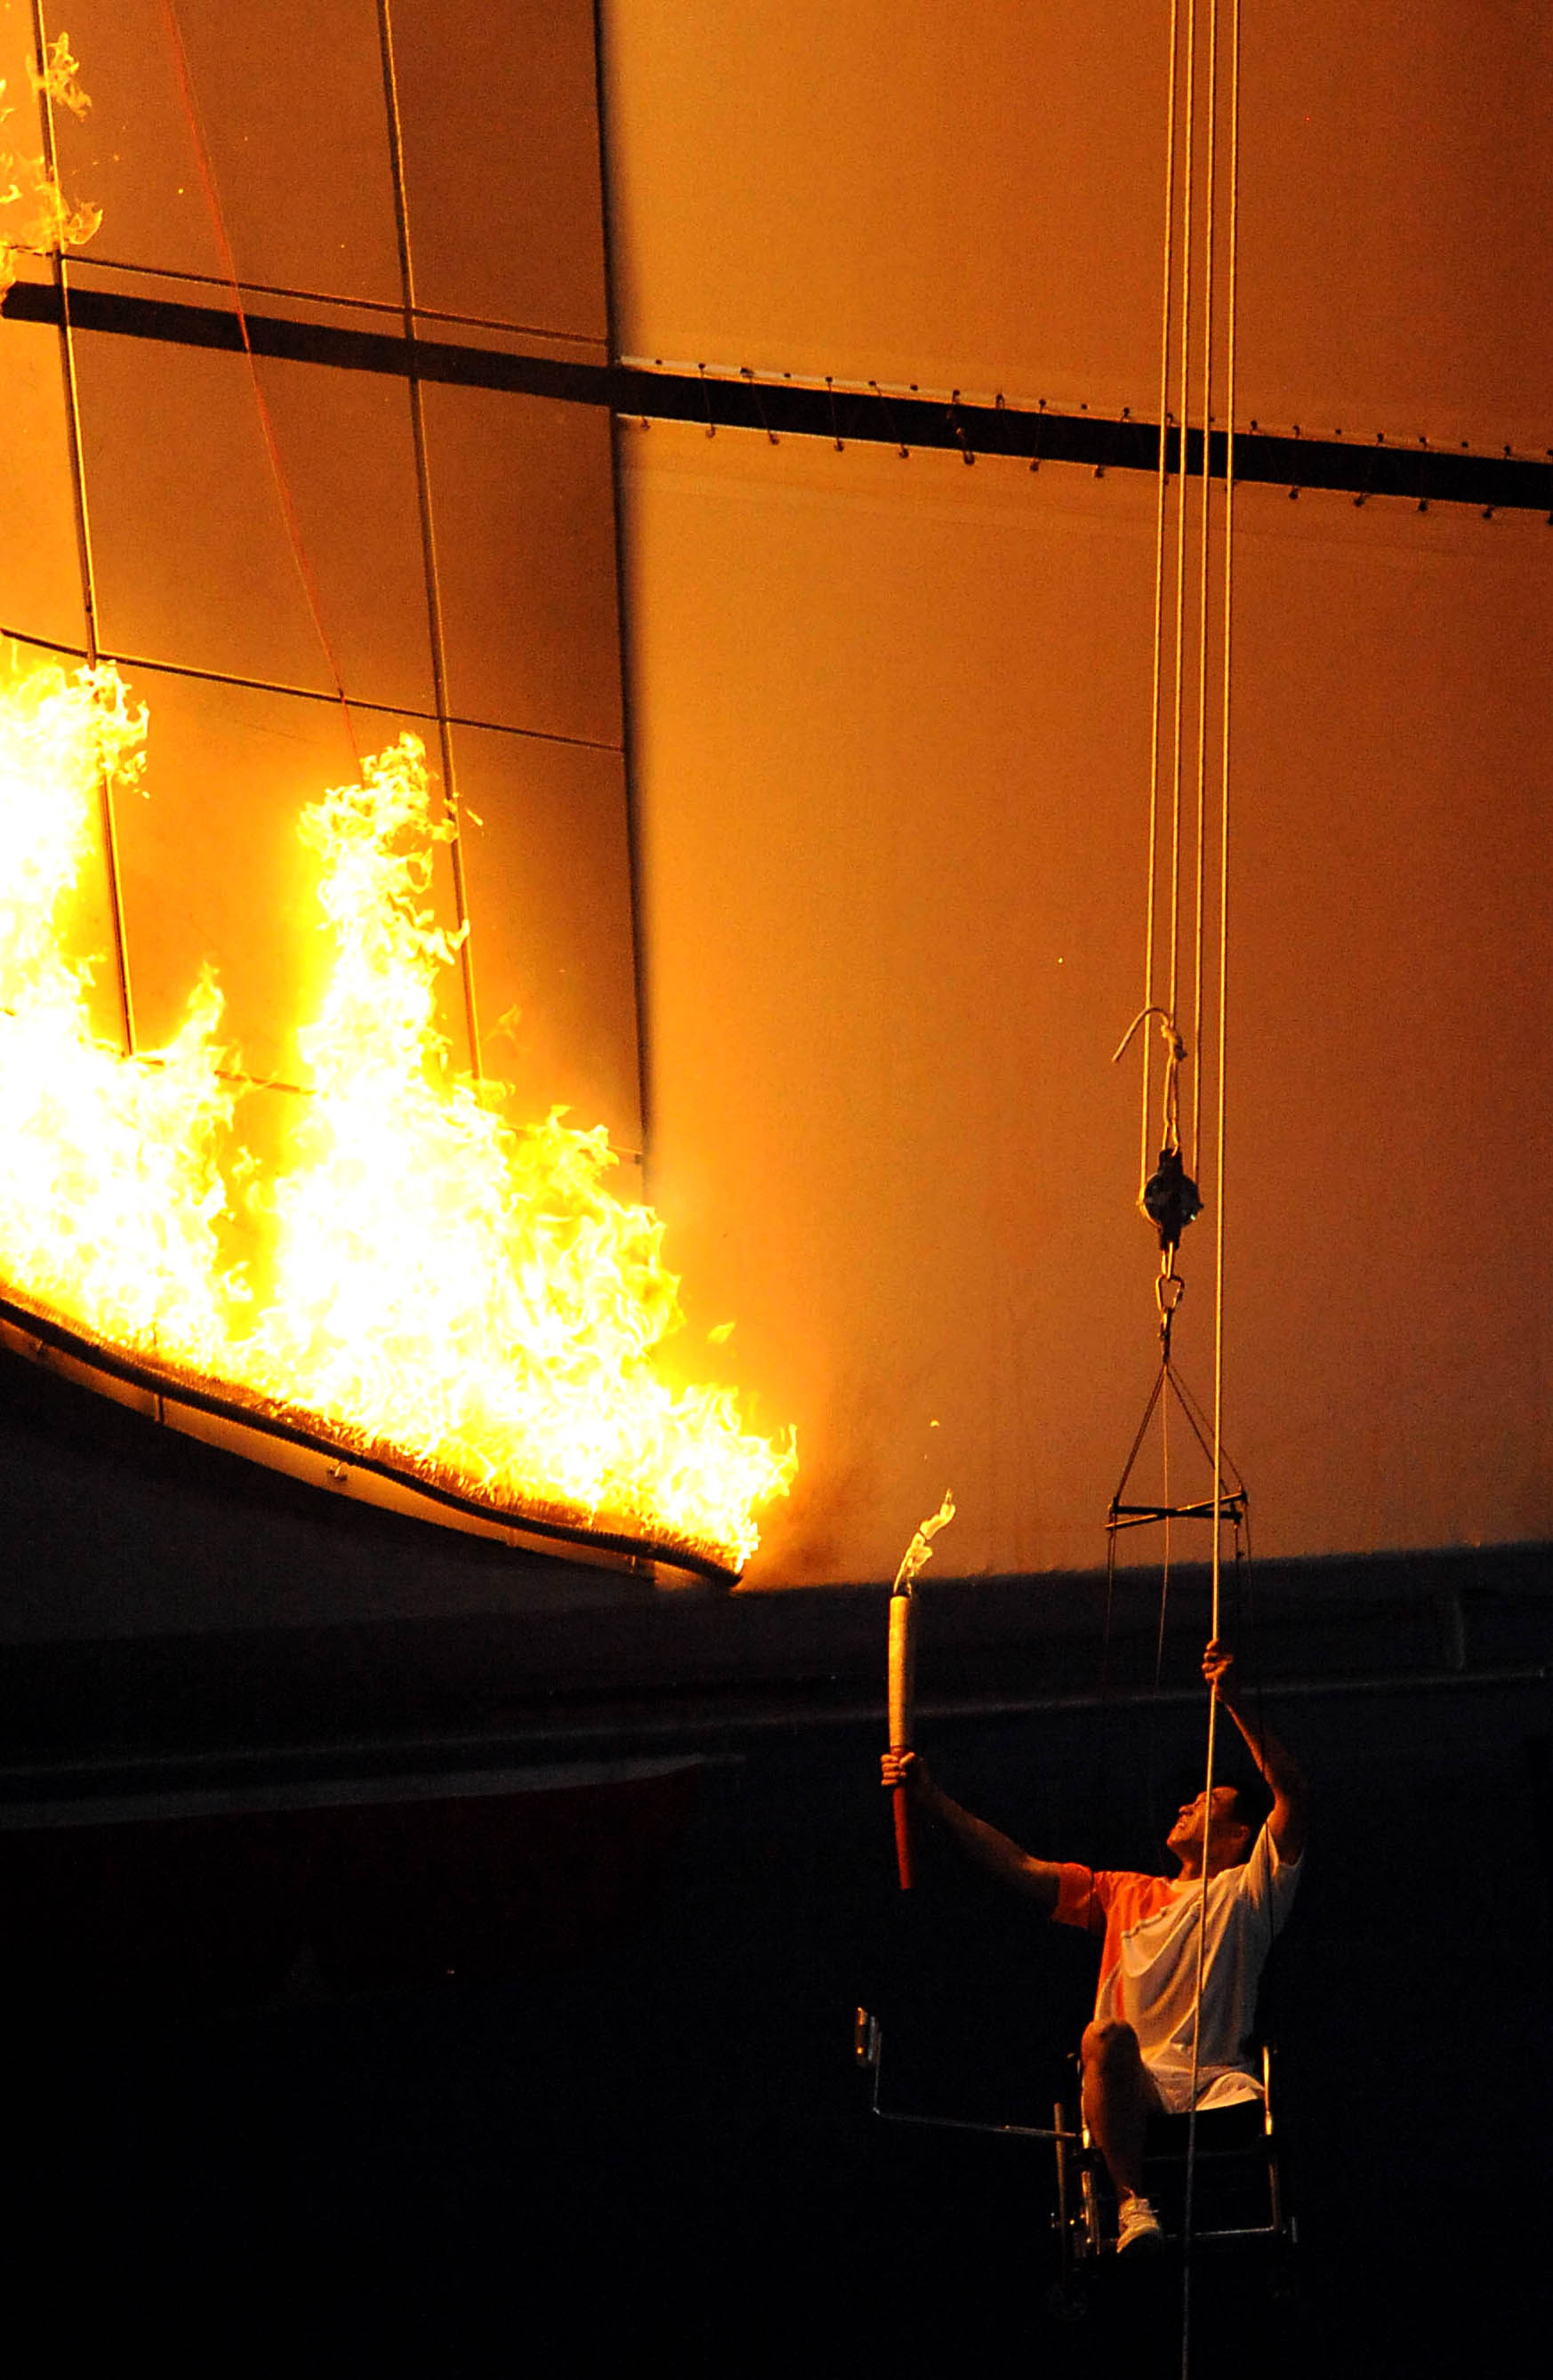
893	739
42	569
973	198
289	99
526	545
195	566
502	164
500	141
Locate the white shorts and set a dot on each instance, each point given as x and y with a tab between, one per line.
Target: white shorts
1222	2086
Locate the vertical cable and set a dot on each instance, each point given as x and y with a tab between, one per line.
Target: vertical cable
1208	228
1188	196
83	539
1224	768
1197	1996
1165	1499
1167	278
428	528
1217	1444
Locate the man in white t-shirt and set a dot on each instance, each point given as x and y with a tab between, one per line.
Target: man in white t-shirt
1139	2054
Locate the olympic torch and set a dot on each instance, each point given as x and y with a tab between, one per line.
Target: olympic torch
902	1670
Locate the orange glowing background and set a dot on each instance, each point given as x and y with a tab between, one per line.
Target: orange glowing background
893	736
888	719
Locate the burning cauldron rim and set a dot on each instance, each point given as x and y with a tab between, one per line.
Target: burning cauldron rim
297	1426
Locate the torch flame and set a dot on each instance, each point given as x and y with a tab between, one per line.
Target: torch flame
468	1298
919	1553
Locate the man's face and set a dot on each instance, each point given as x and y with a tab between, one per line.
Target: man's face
1231	1835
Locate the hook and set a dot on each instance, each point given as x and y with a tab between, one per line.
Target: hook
901	448
1169	1291
1169	1032
759	403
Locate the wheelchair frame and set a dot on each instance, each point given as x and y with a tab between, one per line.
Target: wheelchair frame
1078	2219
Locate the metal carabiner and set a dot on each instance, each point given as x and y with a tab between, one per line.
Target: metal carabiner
1169	1291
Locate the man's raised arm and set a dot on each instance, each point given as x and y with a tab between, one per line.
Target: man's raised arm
1289	1819
998	1853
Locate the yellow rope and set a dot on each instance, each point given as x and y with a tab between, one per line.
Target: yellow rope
1163	483
1218	1438
1188	198
1201	774
1224	777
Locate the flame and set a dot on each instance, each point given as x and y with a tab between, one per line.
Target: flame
919	1553
444	1282
56	77
43	220
109	1184
468	1298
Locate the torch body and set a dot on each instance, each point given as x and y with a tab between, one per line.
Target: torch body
903	1661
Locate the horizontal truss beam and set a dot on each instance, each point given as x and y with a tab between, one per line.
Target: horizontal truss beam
782	409
1229	1507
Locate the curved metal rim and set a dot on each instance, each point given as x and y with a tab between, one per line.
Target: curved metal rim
168	1382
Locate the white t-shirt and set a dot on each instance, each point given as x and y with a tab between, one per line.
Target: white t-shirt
1148	1966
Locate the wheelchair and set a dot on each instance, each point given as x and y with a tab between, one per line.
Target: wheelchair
1240	2198
1238	2176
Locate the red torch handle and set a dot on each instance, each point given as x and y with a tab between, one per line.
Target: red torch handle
903	1838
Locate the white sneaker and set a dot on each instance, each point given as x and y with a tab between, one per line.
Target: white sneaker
1139	2226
